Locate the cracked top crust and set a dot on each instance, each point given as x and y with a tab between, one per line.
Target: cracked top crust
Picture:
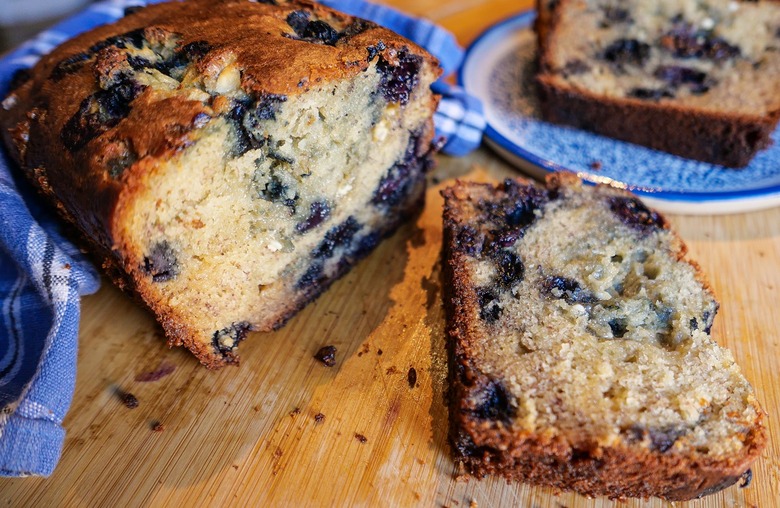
94	115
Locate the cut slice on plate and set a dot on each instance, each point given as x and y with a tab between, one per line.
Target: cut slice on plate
695	79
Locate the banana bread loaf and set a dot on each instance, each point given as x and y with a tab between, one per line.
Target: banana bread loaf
579	347
695	79
227	160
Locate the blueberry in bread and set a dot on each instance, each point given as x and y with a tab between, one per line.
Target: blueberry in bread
227	160
579	346
698	79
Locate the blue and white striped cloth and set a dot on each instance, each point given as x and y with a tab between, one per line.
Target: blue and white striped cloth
43	276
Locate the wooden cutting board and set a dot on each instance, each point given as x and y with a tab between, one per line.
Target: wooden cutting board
252	436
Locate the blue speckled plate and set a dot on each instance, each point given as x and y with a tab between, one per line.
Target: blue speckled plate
499	69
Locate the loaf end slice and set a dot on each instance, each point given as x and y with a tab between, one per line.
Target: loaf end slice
695	79
580	354
228	160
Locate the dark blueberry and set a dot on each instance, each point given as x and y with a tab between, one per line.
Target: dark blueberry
562	284
118	165
338	236
694	324
138	62
745	479
394	185
320	31
226	339
356	27
575	67
707	318
627	51
519	212
516	209
616	14
327	355
411	377
494	402
376	49
720	49
124	91
510	268
514	212
174	65
699	89
662	440
161	262
98	113
312	277
633	434
319	211
268	105
316	31
298	21
489	309
244	142
279	157
677	75
686	41
200	120
196	50
633	213
366	244
618	327
84	125
398	81
264	108
19	77
469	240
663	315
132	38
69	65
276	190
568	289
506	238
75	62
653	94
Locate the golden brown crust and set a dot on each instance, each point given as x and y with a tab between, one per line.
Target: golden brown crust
493	447
43	105
92	168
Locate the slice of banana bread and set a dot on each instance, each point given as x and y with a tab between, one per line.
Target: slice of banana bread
695	79
228	159
579	346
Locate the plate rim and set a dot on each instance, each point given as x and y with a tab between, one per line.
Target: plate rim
525	18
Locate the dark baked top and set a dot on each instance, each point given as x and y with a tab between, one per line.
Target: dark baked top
93	116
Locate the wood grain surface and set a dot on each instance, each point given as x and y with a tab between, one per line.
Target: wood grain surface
251	436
